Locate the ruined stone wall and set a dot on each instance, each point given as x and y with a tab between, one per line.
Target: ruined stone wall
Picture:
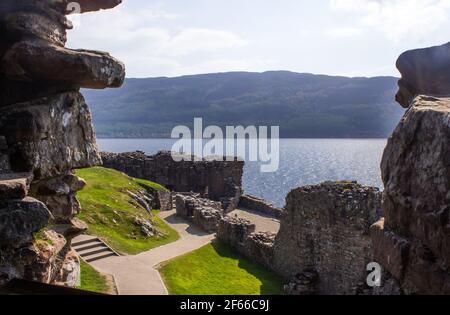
219	181
325	229
260	205
323	246
204	213
240	234
45	132
412	242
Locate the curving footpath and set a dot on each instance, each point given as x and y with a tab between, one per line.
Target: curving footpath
138	275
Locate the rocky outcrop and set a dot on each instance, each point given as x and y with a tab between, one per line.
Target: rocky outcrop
260	205
325	228
45	132
59	195
19	219
49	136
412	242
424	71
215	180
148	229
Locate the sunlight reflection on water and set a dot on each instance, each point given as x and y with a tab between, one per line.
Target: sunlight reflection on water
302	162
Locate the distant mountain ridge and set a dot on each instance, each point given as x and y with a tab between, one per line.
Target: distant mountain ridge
303	105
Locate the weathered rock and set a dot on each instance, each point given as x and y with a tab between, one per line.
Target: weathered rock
59	6
424	71
5	166
413	245
390	250
326	228
45	132
147	228
19	219
61	185
71	229
59	195
389	286
15	92
416	173
304	283
142	200
89	5
69	274
219	181
13	188
42	261
30	24
38	60
49	136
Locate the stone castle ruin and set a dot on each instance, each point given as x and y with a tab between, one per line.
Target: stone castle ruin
328	232
215	180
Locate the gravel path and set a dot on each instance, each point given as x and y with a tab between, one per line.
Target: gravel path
138	275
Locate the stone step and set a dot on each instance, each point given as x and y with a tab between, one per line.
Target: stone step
83	247
99	257
83	241
98	250
91	248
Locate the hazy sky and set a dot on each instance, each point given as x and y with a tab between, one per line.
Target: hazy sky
337	37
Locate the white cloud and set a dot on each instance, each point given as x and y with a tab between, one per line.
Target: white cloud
344	32
193	40
150	50
398	19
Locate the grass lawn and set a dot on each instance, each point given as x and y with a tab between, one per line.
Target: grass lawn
109	210
217	270
92	280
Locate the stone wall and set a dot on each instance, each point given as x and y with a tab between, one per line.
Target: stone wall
219	181
240	234
323	246
325	229
204	213
260	205
412	242
164	200
45	132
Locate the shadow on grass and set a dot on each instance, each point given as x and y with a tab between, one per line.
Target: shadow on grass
271	284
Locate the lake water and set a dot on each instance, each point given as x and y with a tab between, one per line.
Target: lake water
302	162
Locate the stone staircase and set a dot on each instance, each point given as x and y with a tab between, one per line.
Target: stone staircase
91	248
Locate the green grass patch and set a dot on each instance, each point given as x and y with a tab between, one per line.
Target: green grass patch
92	280
110	211
217	270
